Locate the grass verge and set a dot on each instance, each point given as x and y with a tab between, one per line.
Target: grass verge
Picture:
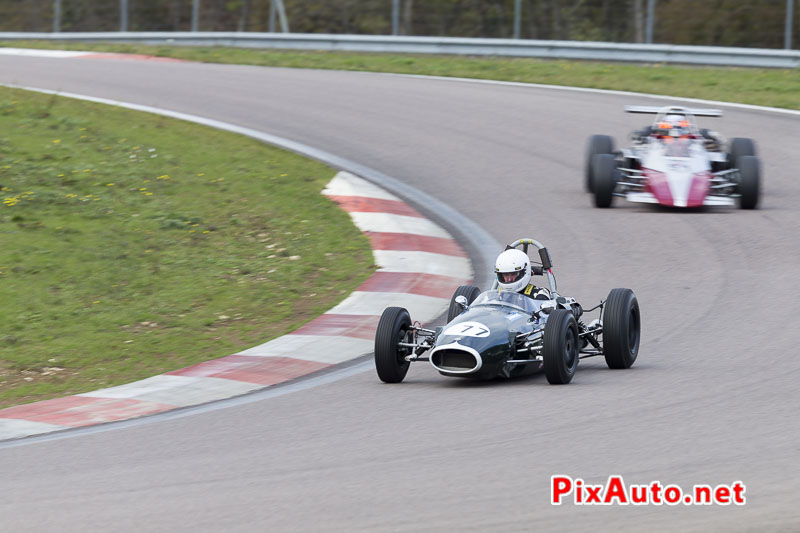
769	87
133	244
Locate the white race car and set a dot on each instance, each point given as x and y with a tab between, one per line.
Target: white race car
674	163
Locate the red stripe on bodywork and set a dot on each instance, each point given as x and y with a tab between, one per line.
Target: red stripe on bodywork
414	243
335	325
261	370
77	411
412	282
659	186
132	57
360	204
699	189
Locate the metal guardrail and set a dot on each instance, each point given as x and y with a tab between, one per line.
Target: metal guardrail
642	53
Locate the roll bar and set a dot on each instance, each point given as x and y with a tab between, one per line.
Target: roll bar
654	110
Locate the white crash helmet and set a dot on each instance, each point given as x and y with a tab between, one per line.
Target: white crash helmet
513	270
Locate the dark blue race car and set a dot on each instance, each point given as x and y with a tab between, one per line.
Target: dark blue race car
506	334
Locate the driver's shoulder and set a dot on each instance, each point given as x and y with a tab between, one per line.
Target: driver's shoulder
537	293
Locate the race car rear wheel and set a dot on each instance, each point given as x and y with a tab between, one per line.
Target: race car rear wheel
621	328
470	292
749	181
393	328
561	347
738	148
604	179
598	144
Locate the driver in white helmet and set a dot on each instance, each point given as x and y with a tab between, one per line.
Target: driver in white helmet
513	269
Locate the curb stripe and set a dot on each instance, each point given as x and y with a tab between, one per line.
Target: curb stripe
319	348
347	184
416	262
78	411
414	243
411	282
338	325
178	391
361	204
388	223
422	308
252	369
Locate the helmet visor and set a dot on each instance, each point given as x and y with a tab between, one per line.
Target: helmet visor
511	277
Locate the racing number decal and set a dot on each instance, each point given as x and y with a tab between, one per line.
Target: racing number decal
468	329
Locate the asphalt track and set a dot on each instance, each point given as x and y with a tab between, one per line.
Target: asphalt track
712	398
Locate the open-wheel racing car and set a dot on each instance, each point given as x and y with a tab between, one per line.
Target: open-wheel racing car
674	163
500	333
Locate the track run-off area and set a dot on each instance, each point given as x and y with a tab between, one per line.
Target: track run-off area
711	399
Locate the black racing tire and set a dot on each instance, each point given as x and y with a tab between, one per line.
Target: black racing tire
598	144
561	348
622	328
470	292
604	179
390	360
749	181
739	147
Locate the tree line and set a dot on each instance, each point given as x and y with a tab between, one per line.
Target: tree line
748	23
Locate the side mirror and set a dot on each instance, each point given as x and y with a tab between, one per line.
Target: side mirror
547	307
462	301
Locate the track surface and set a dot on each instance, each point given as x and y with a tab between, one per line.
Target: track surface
712	398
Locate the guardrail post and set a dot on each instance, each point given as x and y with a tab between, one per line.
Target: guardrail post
651	15
787	36
517	18
123	15
395	17
56	16
271	27
282	16
195	15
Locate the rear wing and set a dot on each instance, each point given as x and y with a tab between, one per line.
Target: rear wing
654	110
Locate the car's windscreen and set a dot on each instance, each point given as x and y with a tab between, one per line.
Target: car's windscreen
505	298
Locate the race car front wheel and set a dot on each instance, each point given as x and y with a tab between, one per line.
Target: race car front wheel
738	148
621	328
598	144
561	347
604	179
393	328
470	292
749	181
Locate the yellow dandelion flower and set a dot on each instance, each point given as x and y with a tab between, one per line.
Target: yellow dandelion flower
56	141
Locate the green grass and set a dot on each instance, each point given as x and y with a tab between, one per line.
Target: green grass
132	244
770	87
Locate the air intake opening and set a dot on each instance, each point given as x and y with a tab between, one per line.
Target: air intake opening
454	360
